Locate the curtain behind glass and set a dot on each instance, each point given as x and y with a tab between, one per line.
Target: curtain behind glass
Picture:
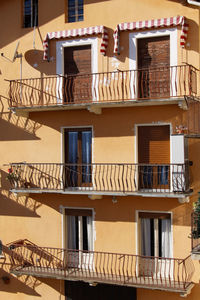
71	232
73	157
145	237
89	233
166	238
86	156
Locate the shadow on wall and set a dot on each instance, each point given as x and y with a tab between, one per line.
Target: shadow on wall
9	283
57	284
12	14
122	211
16	205
34	58
16	127
194	145
192	41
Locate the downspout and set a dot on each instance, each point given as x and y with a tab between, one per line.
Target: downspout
192	2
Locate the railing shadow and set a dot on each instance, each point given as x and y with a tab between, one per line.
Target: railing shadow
17	205
15	127
25	284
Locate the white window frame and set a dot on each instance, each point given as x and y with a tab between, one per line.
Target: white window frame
60	45
64	226
32	21
137	239
170	137
62	131
76	12
133	53
177	150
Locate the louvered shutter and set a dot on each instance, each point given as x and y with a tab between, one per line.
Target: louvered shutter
154	144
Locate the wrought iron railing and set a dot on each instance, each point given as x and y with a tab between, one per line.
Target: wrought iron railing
100	177
103	267
195	232
117	86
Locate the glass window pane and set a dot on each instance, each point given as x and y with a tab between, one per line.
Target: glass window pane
75	10
30	13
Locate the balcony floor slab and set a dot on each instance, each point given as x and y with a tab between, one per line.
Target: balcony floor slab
91	276
94	105
79	191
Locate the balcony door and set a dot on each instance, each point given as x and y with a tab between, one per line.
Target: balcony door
78	157
79	237
77	71
154	157
153	66
155	244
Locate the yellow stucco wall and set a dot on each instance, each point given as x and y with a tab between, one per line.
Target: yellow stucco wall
39	139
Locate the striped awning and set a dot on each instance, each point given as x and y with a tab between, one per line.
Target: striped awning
77	33
156	23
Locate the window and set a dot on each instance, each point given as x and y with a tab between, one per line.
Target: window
79	237
79	229
155	244
78	156
154	157
155	234
30	13
75	10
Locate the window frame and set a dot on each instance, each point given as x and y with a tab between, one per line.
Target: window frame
77	15
64	223
71	128
133	49
32	15
138	227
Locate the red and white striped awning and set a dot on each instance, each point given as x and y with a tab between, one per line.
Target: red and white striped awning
156	23
76	33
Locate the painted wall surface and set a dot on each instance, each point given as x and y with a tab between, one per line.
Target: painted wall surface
39	138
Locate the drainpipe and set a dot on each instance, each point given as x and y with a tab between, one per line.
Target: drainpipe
192	2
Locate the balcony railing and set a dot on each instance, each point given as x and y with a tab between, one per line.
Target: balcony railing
102	267
195	233
167	82
100	178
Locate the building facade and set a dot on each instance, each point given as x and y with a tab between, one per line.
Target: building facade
99	149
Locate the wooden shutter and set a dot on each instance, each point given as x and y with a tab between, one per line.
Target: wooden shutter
153	63
153	52
77	60
154	144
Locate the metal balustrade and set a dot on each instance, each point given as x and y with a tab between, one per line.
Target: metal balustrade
106	87
195	233
102	267
100	177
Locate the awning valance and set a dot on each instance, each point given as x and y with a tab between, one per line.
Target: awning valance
77	33
156	23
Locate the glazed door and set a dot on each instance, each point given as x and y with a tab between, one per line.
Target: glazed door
78	157
153	67
154	157
77	71
155	245
79	238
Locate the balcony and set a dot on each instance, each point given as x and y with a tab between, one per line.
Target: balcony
168	274
95	91
167	180
195	235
